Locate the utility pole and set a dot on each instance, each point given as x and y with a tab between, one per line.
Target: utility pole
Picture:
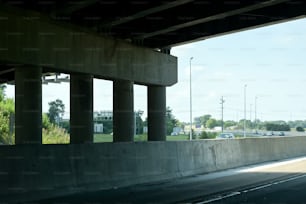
222	102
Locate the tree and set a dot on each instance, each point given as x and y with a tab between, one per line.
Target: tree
56	111
272	126
6	112
139	122
229	123
2	92
46	124
171	122
211	123
300	129
208	135
202	119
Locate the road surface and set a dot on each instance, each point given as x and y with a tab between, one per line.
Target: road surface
277	182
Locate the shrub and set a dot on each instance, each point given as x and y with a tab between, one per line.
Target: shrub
55	135
300	129
208	135
4	130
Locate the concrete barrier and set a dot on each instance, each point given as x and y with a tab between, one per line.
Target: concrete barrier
29	172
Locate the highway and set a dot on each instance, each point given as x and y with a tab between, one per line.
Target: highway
291	190
276	182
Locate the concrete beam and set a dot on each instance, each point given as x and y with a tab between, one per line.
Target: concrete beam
213	18
29	38
150	11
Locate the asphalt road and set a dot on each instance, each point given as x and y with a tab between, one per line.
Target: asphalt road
285	191
280	182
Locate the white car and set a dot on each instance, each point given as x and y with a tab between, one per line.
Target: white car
226	136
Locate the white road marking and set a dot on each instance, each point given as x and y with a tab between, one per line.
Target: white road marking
219	198
249	190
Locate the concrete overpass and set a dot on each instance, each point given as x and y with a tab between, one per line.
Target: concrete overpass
128	42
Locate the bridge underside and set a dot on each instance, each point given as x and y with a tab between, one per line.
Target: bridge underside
33	46
128	42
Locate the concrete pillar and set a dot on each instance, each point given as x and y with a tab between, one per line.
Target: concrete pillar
156	113
123	108
28	105
81	108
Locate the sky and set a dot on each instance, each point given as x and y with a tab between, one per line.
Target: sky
270	61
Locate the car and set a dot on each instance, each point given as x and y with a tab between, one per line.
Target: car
226	136
174	133
270	134
281	134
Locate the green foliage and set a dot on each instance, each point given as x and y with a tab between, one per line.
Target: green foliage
229	123
103	138
202	119
65	124
171	122
140	138
248	124
46	124
7	108
139	122
300	129
4	129
277	127
208	135
2	92
193	135
55	135
178	138
52	134
56	111
211	123
296	123
107	126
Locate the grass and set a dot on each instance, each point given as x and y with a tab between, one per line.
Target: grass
138	138
178	138
103	138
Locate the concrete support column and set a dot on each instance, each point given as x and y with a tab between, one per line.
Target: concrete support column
81	108
123	110
156	113
28	105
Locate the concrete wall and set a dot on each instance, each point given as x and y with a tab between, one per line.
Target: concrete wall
31	171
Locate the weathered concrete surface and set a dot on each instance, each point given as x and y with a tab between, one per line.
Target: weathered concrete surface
156	113
28	105
123	111
33	171
28	38
81	108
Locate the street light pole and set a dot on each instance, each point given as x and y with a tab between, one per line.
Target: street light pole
255	122
244	110
251	105
190	134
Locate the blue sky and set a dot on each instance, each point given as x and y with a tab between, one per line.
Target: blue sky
270	60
